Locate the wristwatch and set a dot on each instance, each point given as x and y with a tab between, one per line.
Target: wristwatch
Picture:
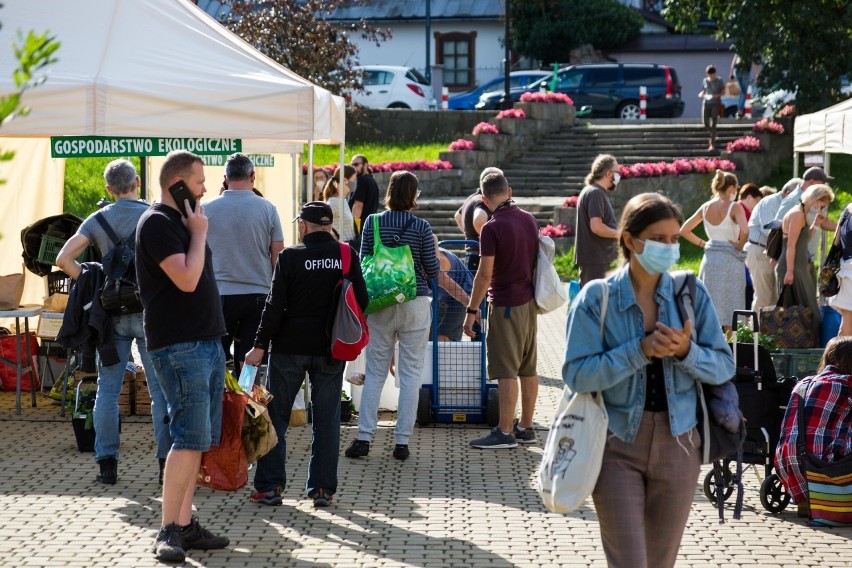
472	312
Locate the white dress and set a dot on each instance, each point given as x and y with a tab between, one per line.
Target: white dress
723	267
346	229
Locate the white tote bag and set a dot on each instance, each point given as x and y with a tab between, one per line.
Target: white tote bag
550	292
575	444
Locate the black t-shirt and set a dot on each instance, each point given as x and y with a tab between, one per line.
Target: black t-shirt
172	316
367	192
468	208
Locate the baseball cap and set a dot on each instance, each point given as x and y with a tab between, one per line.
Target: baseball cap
817	174
316	212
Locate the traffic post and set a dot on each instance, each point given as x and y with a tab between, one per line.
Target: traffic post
748	103
643	103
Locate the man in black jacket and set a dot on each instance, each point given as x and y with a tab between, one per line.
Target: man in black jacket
364	201
296	320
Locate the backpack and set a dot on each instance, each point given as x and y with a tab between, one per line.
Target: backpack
349	333
550	293
119	293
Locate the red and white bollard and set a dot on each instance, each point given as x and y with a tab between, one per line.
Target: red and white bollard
445	98
643	103
748	103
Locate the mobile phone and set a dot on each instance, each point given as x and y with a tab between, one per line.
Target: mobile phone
180	192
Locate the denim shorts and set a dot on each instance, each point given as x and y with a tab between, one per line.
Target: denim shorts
192	378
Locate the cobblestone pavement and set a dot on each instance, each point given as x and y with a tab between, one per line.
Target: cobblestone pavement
448	505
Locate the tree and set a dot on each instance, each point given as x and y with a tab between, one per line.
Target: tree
296	34
33	52
800	46
549	29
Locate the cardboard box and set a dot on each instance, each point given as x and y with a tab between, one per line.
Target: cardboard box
49	324
143	396
127	397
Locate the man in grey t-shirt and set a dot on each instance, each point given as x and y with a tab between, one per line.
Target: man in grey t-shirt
122	216
245	235
594	244
711	95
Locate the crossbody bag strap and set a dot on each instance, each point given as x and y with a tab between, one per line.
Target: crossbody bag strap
398	236
345	258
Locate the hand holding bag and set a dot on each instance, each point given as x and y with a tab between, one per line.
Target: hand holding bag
791	324
388	272
575	445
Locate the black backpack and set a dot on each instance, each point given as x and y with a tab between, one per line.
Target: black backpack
119	294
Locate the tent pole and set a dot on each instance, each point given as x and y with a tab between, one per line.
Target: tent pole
341	201
309	183
143	178
827	160
795	164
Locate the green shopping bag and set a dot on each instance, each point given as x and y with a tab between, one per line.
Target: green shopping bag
388	273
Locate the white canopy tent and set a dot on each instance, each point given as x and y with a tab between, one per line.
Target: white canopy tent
156	69
828	131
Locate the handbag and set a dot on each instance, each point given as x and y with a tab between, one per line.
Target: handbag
732	89
792	324
225	467
774	243
827	281
829	484
573	453
389	272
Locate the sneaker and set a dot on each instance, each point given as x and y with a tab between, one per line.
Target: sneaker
271	498
527	436
322	498
401	452
495	440
358	449
197	537
168	546
109	471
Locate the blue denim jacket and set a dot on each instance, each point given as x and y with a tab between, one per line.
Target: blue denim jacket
617	365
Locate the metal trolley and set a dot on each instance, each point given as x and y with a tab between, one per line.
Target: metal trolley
458	391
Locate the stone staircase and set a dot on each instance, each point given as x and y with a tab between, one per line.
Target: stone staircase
555	168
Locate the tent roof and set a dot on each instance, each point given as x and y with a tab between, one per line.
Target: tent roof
827	130
161	68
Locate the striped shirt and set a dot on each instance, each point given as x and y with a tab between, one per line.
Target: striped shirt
418	237
828	416
763	213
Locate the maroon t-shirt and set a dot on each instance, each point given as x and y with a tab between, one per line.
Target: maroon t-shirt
511	237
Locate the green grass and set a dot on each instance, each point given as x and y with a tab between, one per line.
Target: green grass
84	184
376	153
841	170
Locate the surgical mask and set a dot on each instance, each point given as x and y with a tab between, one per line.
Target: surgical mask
319	183
616	177
658	257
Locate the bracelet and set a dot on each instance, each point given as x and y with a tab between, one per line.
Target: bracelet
471	312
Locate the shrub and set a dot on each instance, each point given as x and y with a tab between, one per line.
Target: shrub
546	98
485	128
565	267
744	144
462	144
766	125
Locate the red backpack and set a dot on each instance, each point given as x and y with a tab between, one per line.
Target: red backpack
349	333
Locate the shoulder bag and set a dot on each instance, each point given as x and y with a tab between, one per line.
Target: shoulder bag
575	445
827	280
790	323
389	272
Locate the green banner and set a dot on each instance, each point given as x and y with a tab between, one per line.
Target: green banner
116	146
259	160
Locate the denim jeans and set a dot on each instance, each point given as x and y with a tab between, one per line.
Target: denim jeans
286	375
110	380
192	377
409	323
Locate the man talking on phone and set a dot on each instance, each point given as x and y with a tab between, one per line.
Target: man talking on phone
183	327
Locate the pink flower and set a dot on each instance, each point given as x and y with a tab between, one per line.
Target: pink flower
512	113
766	125
570	201
744	144
547	97
788	111
462	144
485	128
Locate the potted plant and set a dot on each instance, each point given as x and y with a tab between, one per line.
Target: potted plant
347	407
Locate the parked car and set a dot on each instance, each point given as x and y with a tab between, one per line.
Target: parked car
517	79
610	90
389	86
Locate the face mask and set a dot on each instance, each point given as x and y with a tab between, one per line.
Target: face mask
658	257
616	177
320	184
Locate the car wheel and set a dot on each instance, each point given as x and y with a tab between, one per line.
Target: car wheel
398	105
628	111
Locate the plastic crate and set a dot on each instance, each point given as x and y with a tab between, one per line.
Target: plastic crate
58	283
50	247
799	363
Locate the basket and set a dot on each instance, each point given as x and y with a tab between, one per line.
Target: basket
796	362
58	283
50	247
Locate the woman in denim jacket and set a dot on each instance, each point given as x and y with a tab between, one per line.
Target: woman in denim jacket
647	363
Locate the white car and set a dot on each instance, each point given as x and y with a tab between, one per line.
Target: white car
388	86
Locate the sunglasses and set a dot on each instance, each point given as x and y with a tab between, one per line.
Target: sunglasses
356	164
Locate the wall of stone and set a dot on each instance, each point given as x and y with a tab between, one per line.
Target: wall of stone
411	126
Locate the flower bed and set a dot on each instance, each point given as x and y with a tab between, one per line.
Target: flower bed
787	111
512	113
768	126
558	231
418	165
570	201
675	168
462	144
744	144
548	97
484	128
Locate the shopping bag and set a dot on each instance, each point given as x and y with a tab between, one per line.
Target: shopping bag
732	89
388	272
574	451
11	290
550	292
225	467
299	412
259	436
792	325
29	356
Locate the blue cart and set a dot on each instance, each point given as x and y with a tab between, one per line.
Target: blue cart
459	391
